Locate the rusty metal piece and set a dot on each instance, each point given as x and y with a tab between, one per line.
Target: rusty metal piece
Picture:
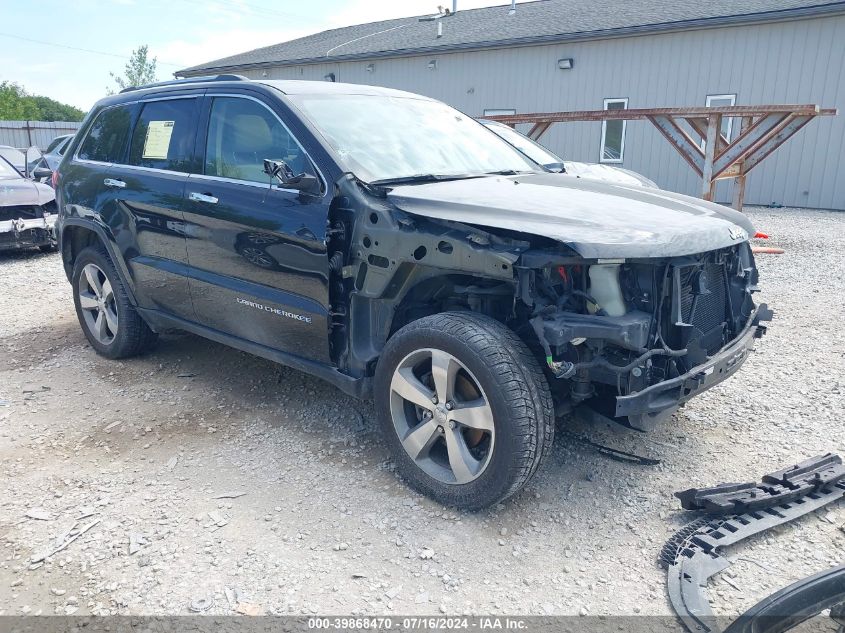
712	156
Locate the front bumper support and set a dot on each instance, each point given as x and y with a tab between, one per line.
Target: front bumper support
778	488
670	393
22	233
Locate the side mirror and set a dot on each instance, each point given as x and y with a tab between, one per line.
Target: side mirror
42	172
33	156
557	168
280	170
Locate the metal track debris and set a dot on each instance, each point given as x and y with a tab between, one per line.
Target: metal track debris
777	488
693	555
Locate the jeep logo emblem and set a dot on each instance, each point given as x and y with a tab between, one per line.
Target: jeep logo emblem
737	233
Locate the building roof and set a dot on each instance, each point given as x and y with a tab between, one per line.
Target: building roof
541	21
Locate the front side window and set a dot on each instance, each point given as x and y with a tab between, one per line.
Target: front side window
164	135
106	140
383	137
613	133
241	135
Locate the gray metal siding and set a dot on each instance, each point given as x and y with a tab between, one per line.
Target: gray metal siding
797	61
25	134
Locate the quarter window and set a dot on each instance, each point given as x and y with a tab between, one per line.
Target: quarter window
106	140
613	133
241	134
164	135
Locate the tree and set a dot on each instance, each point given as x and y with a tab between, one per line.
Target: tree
16	104
139	70
52	110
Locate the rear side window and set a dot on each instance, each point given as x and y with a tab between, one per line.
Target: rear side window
164	135
106	140
241	134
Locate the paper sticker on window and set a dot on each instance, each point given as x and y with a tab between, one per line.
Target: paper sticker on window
158	139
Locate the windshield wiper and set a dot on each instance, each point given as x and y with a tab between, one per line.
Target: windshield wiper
506	172
403	180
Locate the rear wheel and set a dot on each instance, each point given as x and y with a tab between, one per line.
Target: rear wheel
464	407
109	321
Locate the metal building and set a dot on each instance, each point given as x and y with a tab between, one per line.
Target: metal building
24	134
554	55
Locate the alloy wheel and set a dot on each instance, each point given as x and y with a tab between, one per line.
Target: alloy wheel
97	301
442	416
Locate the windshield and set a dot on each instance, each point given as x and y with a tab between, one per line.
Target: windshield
534	151
14	156
6	170
385	137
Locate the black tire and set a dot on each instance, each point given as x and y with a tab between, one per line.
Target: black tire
788	608
515	388
133	336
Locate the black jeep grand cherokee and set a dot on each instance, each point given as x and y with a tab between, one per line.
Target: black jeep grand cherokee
398	249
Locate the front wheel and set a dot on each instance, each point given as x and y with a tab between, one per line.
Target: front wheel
465	408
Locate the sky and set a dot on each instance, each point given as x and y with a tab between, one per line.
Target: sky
65	49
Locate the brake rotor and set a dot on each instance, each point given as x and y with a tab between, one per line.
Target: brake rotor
468	391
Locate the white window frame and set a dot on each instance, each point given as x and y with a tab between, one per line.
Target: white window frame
708	101
498	111
619	160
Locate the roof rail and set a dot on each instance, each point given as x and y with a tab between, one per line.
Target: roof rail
187	80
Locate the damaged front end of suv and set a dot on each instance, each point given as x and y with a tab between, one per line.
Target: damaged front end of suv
27	212
632	339
635	301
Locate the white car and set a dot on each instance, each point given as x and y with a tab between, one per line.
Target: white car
552	162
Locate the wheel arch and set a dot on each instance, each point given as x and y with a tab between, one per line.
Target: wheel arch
76	235
417	291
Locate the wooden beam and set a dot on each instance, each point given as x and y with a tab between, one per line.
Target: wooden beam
762	130
749	139
714	122
681	141
774	141
538	129
644	113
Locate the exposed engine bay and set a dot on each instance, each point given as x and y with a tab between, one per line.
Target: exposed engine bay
618	327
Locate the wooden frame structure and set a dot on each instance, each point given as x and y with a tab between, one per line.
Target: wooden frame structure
696	134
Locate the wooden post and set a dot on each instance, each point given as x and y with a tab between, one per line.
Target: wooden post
739	181
714	122
739	191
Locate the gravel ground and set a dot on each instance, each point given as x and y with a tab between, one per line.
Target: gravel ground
211	475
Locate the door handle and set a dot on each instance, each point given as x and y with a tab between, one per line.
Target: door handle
111	182
202	197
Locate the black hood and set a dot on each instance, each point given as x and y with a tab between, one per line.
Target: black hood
596	219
